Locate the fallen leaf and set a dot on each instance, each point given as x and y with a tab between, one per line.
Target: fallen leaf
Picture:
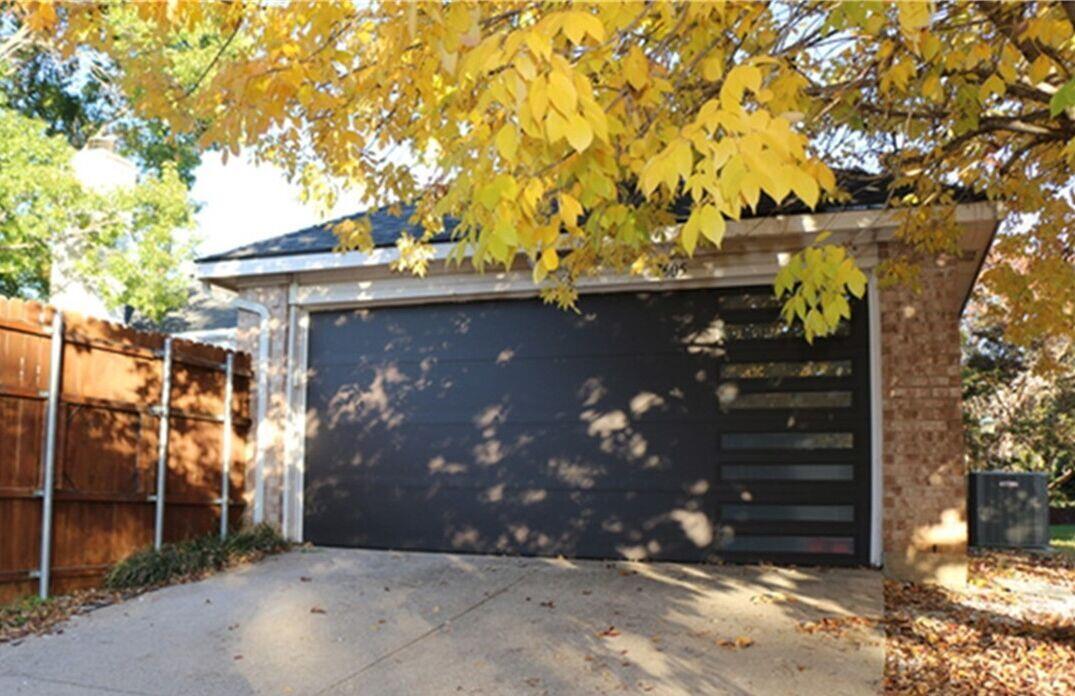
609	632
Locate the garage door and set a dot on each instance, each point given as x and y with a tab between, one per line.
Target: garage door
680	426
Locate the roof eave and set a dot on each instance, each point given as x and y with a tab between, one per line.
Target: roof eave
232	273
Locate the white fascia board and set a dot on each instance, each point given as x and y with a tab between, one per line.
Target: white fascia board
879	222
299	263
755	268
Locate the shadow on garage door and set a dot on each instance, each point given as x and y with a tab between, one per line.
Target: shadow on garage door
689	426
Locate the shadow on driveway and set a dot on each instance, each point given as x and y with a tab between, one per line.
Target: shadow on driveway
345	621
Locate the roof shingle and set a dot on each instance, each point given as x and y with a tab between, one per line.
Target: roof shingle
867	191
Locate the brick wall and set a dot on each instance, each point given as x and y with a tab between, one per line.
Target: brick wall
924	505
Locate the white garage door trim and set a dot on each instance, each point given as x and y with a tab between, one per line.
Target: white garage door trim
304	298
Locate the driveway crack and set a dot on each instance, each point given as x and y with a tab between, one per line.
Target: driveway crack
418	639
81	685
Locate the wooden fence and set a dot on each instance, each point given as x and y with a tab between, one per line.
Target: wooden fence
100	473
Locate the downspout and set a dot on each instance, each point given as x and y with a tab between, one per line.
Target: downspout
261	409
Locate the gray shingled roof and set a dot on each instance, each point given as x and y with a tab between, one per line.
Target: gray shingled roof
386	228
203	312
867	191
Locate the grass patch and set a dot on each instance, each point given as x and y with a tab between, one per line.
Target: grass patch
1062	537
193	558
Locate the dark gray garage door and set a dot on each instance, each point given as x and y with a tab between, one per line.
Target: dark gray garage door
683	426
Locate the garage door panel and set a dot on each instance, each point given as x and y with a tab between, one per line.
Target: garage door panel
779	493
518	521
680	426
632	387
790	548
729	530
654	456
765	420
791	348
658	323
793	456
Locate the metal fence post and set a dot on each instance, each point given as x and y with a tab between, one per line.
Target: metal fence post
48	463
162	444
225	448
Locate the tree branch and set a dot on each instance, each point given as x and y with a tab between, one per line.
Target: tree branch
216	58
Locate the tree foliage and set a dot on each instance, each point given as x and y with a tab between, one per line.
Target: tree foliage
127	243
1016	418
565	131
80	96
76	99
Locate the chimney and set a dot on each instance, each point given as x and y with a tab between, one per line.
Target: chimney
99	168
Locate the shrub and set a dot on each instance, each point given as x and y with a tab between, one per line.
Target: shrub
151	567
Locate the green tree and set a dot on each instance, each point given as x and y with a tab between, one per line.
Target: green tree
1017	417
130	245
81	95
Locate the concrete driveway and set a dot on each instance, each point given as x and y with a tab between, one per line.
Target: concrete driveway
333	621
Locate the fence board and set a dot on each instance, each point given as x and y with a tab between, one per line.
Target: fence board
107	434
22	425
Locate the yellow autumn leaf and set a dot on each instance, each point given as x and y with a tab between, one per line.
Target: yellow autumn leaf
688	234
579	133
550	259
562	93
43	17
538	97
914	15
539	273
992	85
711	224
570	210
713	68
825	177
1040	68
931	87
804	186
579	24
739	79
507	142
538	43
636	68
555	126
